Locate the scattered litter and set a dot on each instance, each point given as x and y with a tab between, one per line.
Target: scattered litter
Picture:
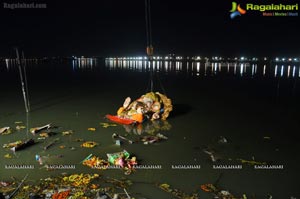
20	127
5	130
51	144
267	138
7	156
61	195
219	194
128	196
39	159
269	196
72	148
69	132
91	129
62	146
46	134
95	162
38	129
118	142
18	145
211	154
121	137
106	125
177	193
79	140
123	160
89	144
222	140
149	139
251	162
208	188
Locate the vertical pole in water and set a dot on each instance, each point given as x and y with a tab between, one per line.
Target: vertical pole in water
25	78
22	81
149	48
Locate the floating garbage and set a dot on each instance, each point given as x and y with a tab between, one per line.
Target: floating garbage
46	134
251	162
20	127
61	195
123	160
177	193
219	194
222	140
114	157
211	154
8	156
18	145
51	144
121	137
149	139
89	144
12	144
95	162
38	129
69	132
5	130
106	125
118	142
91	129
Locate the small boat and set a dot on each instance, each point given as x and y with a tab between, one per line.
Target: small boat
120	120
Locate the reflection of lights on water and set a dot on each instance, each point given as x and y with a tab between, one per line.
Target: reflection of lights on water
166	65
235	65
216	67
7	64
190	67
198	68
294	71
242	69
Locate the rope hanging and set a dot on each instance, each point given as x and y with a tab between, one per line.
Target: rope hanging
149	49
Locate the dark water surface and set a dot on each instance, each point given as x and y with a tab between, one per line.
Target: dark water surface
254	106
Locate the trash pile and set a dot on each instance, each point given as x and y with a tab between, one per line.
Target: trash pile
74	186
121	160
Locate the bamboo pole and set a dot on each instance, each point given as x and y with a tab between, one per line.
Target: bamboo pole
22	81
25	78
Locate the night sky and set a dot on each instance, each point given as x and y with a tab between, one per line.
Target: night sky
117	28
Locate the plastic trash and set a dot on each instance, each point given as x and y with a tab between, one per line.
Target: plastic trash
118	142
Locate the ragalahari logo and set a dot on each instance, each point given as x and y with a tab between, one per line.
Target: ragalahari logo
236	10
